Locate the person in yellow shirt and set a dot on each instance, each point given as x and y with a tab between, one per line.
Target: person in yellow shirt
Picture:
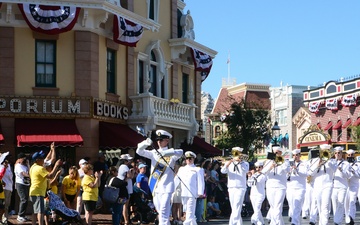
38	177
71	187
90	185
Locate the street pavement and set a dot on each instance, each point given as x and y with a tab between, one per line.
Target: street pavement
246	220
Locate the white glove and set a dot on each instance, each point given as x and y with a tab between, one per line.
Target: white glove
145	144
168	152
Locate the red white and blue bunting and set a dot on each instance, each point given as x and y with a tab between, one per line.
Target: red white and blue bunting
126	32
49	19
349	100
331	104
314	107
202	63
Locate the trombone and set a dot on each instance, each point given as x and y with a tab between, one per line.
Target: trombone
236	155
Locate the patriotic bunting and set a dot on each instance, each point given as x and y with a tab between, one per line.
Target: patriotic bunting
314	107
49	19
331	104
349	100
202	63
126	32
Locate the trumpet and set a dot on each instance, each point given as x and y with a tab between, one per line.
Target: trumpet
325	155
236	155
279	160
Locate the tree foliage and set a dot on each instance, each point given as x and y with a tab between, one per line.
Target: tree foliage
355	133
247	123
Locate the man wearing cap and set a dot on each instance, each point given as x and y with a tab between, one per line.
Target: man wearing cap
79	202
296	187
257	193
236	169
22	184
142	180
39	176
322	172
350	201
161	181
340	185
192	183
276	186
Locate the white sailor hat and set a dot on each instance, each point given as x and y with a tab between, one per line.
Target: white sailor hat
296	151
350	151
126	157
277	148
190	154
338	148
237	149
325	146
162	134
258	163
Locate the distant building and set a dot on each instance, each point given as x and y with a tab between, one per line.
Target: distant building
334	109
251	93
285	103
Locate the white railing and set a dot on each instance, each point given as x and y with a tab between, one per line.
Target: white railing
163	110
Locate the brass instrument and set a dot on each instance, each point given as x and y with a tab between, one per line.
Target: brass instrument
325	155
236	155
309	179
279	160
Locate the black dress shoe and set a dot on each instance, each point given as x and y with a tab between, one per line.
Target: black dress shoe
304	217
289	219
312	223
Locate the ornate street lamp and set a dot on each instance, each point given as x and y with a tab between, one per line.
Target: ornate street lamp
275	133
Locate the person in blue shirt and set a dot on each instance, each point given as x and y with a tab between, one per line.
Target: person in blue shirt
142	181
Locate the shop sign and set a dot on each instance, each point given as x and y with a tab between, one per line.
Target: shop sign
110	110
44	106
313	137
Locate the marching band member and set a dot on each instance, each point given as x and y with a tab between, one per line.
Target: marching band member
340	185
257	193
350	201
276	186
322	171
192	186
161	181
236	169
309	206
296	187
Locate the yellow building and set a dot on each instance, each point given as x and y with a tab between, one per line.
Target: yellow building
85	73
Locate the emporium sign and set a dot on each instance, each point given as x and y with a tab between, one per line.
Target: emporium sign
45	106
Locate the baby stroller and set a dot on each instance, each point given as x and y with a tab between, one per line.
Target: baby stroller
142	209
65	215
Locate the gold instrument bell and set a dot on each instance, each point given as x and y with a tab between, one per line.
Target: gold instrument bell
236	153
279	160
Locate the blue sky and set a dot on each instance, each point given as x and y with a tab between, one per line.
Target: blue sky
297	42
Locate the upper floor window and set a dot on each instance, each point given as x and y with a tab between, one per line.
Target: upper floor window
153	9
110	71
281	116
217	131
152	71
45	61
185	88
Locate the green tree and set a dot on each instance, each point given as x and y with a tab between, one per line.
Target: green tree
355	133
247	123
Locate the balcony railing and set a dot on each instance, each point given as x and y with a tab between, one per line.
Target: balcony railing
163	111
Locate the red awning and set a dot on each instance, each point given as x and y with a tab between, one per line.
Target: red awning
357	122
328	126
113	136
347	123
42	132
201	146
337	125
2	140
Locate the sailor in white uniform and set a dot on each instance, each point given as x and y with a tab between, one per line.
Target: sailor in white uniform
257	193
322	171
296	187
192	183
236	170
161	181
350	201
276	173
340	185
